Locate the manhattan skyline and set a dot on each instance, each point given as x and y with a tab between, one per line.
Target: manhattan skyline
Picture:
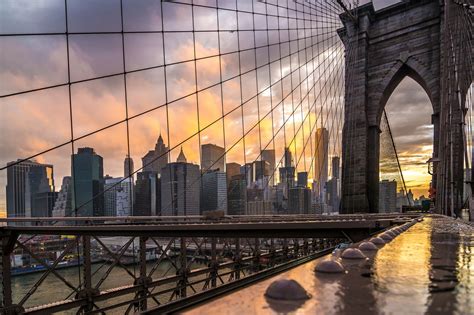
40	120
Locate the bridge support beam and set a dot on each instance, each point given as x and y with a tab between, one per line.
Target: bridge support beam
382	48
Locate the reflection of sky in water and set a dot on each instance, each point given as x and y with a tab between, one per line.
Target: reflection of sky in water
465	265
410	275
401	272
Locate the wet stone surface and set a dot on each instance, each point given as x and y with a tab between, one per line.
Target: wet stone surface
428	269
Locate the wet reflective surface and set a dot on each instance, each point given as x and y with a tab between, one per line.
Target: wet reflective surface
428	269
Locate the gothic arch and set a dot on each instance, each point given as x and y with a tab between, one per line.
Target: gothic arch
383	89
402	40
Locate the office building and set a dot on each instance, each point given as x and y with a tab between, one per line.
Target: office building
44	203
232	169
387	196
237	195
333	187
262	170
63	203
117	196
87	183
299	201
128	167
321	163
30	189
287	174
269	156
214	191
156	159
147	197
180	188
302	179
212	157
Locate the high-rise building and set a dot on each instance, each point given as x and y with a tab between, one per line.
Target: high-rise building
117	196
256	173
181	157
156	159
110	195
214	191
333	186
299	201
288	158
43	203
248	170
335	163
87	183
262	170
287	174
180	188
30	189
269	156
212	157
128	167
62	205
402	199
147	200
231	170
411	200
321	163
387	196
302	179
237	195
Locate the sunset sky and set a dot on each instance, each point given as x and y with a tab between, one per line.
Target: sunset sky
37	121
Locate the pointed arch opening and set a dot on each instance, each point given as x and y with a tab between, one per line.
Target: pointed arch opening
407	128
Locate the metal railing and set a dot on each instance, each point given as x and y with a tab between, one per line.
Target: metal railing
133	264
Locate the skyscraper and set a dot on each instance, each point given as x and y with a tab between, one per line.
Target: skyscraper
147	200
303	179
269	156
156	159
237	195
387	196
321	163
212	157
117	196
128	167
231	170
128	173
180	188
62	205
30	189
288	158
287	174
299	201
214	191
87	183
333	186
110	196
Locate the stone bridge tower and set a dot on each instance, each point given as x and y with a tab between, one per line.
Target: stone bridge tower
382	48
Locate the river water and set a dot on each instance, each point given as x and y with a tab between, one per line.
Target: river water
53	289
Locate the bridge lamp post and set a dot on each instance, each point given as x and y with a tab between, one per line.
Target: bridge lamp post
432	165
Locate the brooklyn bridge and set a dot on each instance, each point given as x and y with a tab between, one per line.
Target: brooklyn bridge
237	157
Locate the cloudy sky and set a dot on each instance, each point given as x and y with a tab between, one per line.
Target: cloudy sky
33	122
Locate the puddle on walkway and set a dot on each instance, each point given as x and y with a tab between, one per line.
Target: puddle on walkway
429	269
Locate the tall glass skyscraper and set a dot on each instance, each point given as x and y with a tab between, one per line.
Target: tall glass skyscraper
321	163
180	188
212	157
30	189
87	183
